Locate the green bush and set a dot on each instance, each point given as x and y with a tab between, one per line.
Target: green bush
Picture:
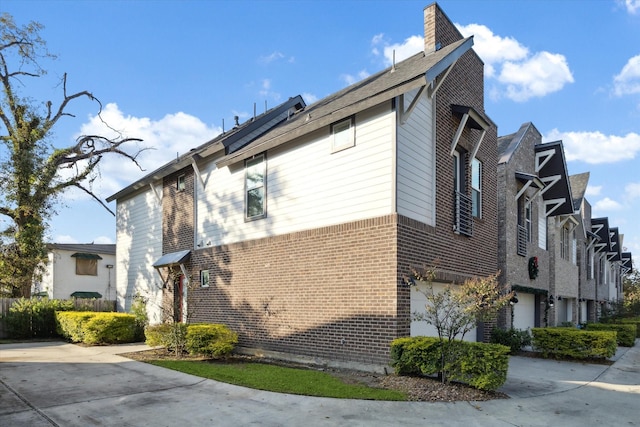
574	343
633	321
210	340
71	324
96	328
34	318
626	333
480	365
139	310
171	336
109	328
515	339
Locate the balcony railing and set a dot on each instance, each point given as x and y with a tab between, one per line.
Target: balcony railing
522	240
463	214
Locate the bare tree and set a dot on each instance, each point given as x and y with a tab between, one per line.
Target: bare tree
34	172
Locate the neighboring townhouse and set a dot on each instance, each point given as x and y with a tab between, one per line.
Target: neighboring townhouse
585	247
78	271
298	227
534	205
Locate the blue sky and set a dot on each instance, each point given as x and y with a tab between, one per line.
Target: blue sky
171	72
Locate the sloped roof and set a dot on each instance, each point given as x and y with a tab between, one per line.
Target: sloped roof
553	172
508	144
578	188
90	248
416	71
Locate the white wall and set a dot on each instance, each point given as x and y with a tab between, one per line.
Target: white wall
64	281
416	162
418	303
139	245
308	186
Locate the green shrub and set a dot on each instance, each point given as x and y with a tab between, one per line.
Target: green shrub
633	321
71	324
171	336
574	343
626	333
109	328
34	318
483	366
139	310
515	339
210	340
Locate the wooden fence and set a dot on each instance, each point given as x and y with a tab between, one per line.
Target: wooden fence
79	303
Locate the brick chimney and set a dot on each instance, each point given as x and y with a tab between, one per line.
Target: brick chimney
439	31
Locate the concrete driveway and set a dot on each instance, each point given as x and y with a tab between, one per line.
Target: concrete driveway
60	384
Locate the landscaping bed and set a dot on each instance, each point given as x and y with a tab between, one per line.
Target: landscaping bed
417	388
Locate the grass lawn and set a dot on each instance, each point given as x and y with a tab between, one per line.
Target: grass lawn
279	379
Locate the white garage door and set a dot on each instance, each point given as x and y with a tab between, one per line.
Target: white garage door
418	303
524	312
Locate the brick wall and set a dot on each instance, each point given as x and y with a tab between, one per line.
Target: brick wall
329	292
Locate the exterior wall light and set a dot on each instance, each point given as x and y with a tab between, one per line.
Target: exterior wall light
551	301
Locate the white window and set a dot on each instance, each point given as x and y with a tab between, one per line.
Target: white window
343	135
180	184
542	226
476	188
564	243
204	278
255	188
527	218
574	247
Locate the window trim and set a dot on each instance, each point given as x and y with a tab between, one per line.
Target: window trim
528	218
263	214
181	184
476	211
350	128
204	278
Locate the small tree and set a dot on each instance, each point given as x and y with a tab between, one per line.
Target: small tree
457	309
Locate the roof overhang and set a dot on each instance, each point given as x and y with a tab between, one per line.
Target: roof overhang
528	181
627	262
416	72
172	259
551	167
614	248
600	227
86	294
472	119
85	255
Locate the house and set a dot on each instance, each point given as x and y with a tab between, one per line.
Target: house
297	227
534	207
78	271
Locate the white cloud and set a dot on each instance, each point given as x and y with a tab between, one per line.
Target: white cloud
309	98
596	147
350	79
632	190
593	190
271	58
632	6
518	74
171	135
404	50
493	49
103	240
64	238
628	81
266	91
540	75
607	205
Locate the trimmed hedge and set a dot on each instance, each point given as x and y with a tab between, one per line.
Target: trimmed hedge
632	321
626	333
574	343
96	328
210	340
34	318
480	365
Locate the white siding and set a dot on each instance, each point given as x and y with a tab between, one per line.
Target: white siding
307	185
416	166
139	245
542	225
61	280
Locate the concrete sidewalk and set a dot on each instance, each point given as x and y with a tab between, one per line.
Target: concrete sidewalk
60	384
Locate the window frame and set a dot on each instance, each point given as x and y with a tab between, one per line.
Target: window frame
204	278
248	187
476	193
181	184
565	248
346	129
528	218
